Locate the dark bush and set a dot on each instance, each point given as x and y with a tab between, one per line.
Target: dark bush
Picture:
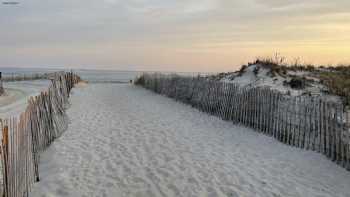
241	71
140	80
256	70
297	83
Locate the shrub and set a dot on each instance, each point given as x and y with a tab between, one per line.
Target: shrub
310	68
140	80
242	69
256	70
297	83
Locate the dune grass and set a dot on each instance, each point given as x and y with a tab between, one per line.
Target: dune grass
335	78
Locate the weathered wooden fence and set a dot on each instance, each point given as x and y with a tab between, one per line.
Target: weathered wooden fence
25	76
2	90
305	122
9	77
25	137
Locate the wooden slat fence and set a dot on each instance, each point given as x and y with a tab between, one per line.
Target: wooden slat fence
24	77
306	122
9	77
26	136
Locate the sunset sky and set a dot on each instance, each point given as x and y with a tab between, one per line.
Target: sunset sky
171	35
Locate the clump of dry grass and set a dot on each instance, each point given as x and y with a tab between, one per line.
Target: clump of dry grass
276	65
279	65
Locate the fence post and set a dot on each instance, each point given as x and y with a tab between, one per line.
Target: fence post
307	124
333	131
5	141
341	135
294	119
347	134
246	100
328	139
319	125
270	114
255	106
266	118
312	124
288	119
261	110
338	129
235	104
274	113
278	117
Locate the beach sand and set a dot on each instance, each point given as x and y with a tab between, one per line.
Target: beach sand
16	96
123	140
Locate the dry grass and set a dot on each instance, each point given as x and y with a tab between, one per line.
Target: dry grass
338	82
335	78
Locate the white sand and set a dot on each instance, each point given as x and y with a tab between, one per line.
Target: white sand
17	94
264	79
126	141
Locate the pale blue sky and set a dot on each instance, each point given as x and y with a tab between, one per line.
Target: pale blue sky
182	35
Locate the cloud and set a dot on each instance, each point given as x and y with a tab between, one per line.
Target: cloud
284	3
178	27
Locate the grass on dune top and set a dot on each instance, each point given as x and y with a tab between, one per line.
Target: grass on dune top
335	78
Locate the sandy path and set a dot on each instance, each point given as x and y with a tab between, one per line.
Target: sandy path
126	141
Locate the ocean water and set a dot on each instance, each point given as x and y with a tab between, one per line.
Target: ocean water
92	76
89	75
100	76
20	71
